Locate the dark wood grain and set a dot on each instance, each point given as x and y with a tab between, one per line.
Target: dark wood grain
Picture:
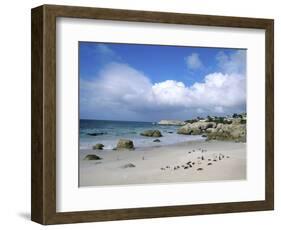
43	207
269	114
37	204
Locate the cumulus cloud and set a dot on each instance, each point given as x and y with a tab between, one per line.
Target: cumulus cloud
121	89
233	63
193	61
118	91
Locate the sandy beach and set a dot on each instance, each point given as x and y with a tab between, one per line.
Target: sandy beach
193	161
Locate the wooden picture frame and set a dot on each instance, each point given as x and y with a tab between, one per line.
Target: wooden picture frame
43	202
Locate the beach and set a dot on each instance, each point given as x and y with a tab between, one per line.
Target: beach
109	132
182	162
180	117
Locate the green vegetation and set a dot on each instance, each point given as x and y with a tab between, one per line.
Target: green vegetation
243	121
221	120
235	115
191	121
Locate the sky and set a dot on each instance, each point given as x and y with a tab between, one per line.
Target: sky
135	82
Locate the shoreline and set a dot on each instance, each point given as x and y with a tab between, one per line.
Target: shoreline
139	148
109	132
222	161
140	141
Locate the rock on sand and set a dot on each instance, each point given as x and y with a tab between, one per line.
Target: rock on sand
125	144
151	133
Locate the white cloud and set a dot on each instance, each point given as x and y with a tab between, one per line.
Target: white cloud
104	54
217	89
169	93
104	50
193	61
121	89
233	63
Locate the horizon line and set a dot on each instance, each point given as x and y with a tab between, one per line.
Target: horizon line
91	119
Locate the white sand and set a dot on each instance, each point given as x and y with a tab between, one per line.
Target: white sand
149	161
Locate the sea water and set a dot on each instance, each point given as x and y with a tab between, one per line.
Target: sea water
109	132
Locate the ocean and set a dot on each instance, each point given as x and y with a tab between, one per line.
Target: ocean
109	132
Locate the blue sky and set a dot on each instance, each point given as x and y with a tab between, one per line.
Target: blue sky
167	82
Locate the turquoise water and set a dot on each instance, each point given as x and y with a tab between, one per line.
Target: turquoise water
109	132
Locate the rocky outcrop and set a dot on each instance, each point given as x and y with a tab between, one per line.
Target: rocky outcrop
196	128
210	130
125	144
152	133
228	132
171	122
98	146
92	157
236	121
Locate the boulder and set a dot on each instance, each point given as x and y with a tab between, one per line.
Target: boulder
211	130
151	133
229	132
125	144
171	122
98	146
186	129
196	128
219	126
156	140
196	131
205	125
236	121
96	134
92	157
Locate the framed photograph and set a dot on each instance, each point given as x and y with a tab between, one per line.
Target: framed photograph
140	114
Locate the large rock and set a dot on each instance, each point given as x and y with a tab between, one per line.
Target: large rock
98	146
219	126
186	129
229	132
236	121
171	122
152	133
196	128
211	130
203	125
92	157
125	144
232	131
